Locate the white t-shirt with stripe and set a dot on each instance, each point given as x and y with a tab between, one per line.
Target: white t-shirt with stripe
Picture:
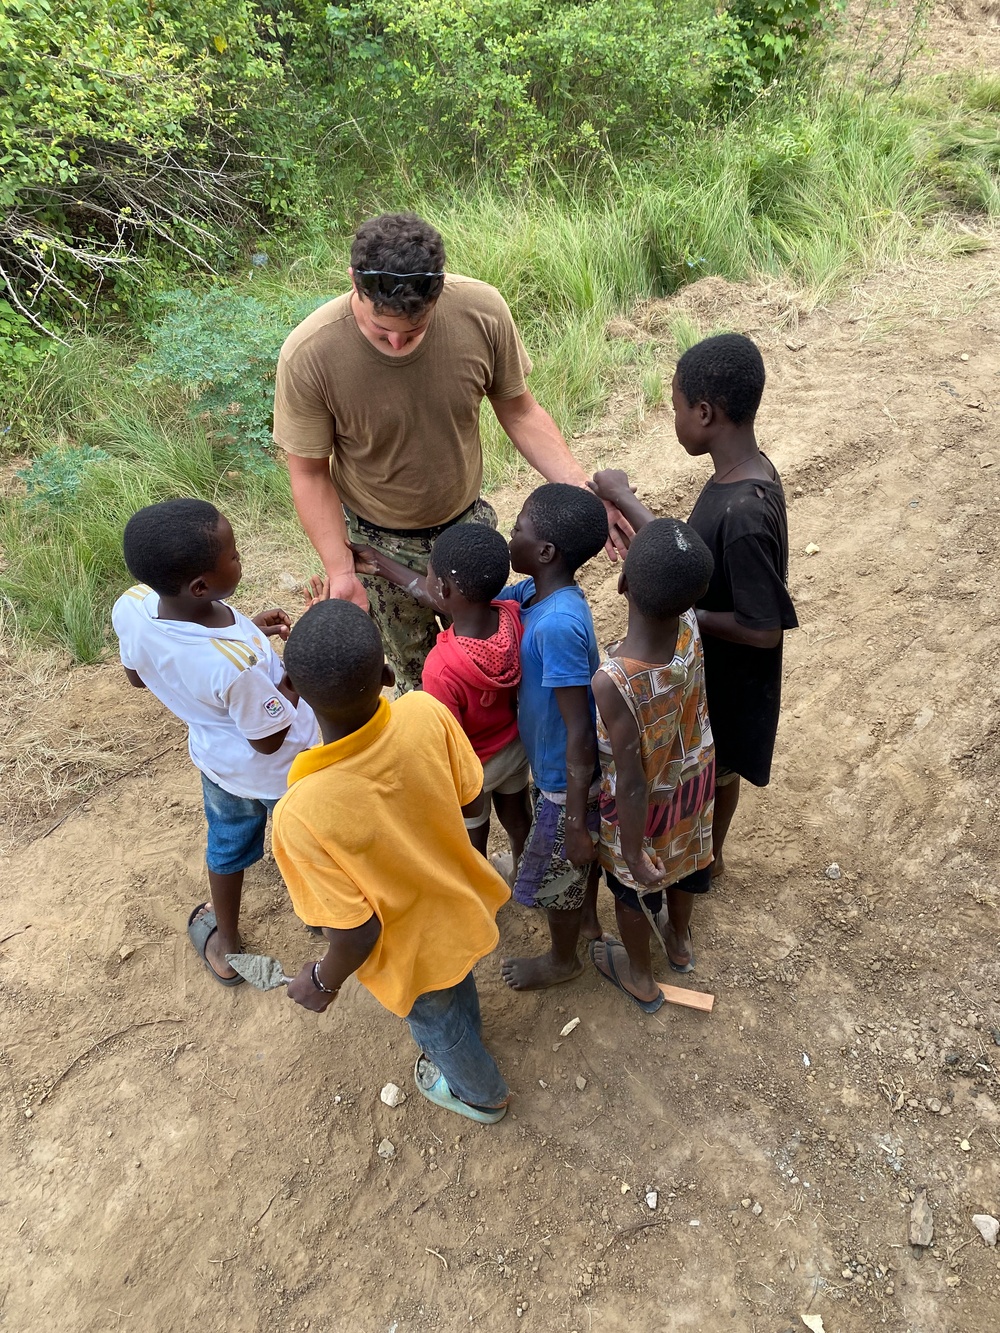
222	684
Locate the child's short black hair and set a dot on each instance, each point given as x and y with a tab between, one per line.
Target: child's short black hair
571	518
726	371
475	558
668	567
334	656
169	544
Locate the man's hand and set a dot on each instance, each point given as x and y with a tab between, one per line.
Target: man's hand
581	849
647	871
302	991
620	533
345	587
317	589
612	488
274	622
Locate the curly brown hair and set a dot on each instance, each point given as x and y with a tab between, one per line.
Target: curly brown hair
399	243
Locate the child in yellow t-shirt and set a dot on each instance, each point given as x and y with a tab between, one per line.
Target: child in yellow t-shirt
372	843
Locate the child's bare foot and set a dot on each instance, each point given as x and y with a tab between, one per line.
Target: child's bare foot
538	973
619	971
718	867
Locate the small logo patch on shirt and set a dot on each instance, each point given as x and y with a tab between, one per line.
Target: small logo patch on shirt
273	707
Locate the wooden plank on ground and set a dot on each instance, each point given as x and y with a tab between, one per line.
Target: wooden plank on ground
691	999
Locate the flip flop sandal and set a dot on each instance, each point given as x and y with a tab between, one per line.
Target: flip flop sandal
200	930
647	1006
431	1083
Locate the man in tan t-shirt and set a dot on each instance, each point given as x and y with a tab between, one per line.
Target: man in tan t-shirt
377	407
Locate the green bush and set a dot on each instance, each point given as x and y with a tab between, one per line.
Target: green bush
502	85
121	123
775	38
220	347
54	478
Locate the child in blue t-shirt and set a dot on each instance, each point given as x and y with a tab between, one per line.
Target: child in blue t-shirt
559	528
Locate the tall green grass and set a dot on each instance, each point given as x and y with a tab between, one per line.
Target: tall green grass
811	192
64	560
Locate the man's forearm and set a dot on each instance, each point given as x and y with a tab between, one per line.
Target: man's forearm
318	506
539	441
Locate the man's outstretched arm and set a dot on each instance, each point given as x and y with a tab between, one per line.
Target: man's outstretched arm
539	441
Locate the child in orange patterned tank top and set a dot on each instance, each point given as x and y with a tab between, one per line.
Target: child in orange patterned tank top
657	761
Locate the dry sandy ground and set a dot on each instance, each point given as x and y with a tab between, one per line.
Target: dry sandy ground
175	1156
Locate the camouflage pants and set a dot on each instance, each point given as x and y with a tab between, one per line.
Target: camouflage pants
409	631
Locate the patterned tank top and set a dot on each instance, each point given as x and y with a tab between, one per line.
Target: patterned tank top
668	703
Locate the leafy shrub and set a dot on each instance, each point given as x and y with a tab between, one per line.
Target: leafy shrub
504	84
19	340
778	36
54	477
221	348
121	122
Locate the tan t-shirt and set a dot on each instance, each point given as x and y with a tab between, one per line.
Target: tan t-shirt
401	432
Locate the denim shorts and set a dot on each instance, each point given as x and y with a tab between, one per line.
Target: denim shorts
236	827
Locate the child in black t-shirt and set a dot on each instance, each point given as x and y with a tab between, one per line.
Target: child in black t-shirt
740	516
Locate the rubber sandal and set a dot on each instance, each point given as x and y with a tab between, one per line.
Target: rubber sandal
647	1006
200	931
431	1083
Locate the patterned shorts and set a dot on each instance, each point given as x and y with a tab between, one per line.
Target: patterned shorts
545	878
409	631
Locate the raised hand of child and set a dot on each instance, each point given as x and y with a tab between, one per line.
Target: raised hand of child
611	484
274	622
648	871
317	589
612	488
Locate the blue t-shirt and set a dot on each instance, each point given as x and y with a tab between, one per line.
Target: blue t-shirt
558	649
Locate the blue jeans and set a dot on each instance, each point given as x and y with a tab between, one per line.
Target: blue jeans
447	1027
236	827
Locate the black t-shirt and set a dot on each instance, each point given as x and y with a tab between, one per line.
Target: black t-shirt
744	525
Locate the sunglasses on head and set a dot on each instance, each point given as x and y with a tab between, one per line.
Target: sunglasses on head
381	285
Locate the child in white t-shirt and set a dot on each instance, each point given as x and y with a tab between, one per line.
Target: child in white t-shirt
215	670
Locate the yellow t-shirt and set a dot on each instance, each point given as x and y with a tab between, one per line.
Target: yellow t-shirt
401	432
373	823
